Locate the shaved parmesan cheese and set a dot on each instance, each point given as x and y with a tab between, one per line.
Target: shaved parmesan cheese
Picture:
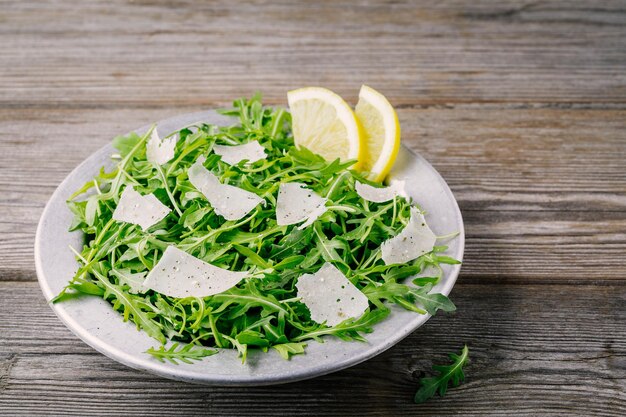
379	195
296	203
228	201
143	210
400	186
179	274
232	155
160	151
314	215
415	240
330	296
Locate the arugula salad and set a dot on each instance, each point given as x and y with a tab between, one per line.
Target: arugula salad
234	237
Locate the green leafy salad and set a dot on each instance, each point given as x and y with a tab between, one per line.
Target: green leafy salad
232	237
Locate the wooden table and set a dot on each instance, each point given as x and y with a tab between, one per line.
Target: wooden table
520	105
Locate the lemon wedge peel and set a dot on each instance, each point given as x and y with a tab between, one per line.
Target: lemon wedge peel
378	165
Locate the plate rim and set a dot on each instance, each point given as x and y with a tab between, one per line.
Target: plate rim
155	368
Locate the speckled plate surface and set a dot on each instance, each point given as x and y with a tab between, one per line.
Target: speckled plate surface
94	321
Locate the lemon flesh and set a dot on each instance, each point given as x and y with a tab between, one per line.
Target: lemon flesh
381	129
323	123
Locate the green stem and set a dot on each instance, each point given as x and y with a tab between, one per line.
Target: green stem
167	189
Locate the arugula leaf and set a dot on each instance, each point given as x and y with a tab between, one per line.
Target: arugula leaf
327	248
432	301
287	350
442	259
127	277
349	329
131	306
79	285
448	374
242	348
252	256
187	353
125	144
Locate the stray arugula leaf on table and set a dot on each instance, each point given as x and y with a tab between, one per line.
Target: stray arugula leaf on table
448	375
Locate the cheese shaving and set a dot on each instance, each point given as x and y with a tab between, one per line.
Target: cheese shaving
159	151
415	240
379	195
228	201
179	274
296	203
400	186
330	296
232	155
143	210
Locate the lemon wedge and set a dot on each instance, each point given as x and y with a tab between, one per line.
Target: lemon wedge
381	129
324	124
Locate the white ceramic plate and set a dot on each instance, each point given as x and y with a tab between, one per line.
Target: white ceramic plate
94	321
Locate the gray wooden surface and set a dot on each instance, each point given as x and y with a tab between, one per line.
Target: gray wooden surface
521	105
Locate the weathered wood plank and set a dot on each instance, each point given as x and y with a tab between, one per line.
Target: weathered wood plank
186	52
543	191
525	159
536	350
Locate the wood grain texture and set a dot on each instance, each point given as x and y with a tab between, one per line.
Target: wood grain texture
187	52
520	105
536	350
